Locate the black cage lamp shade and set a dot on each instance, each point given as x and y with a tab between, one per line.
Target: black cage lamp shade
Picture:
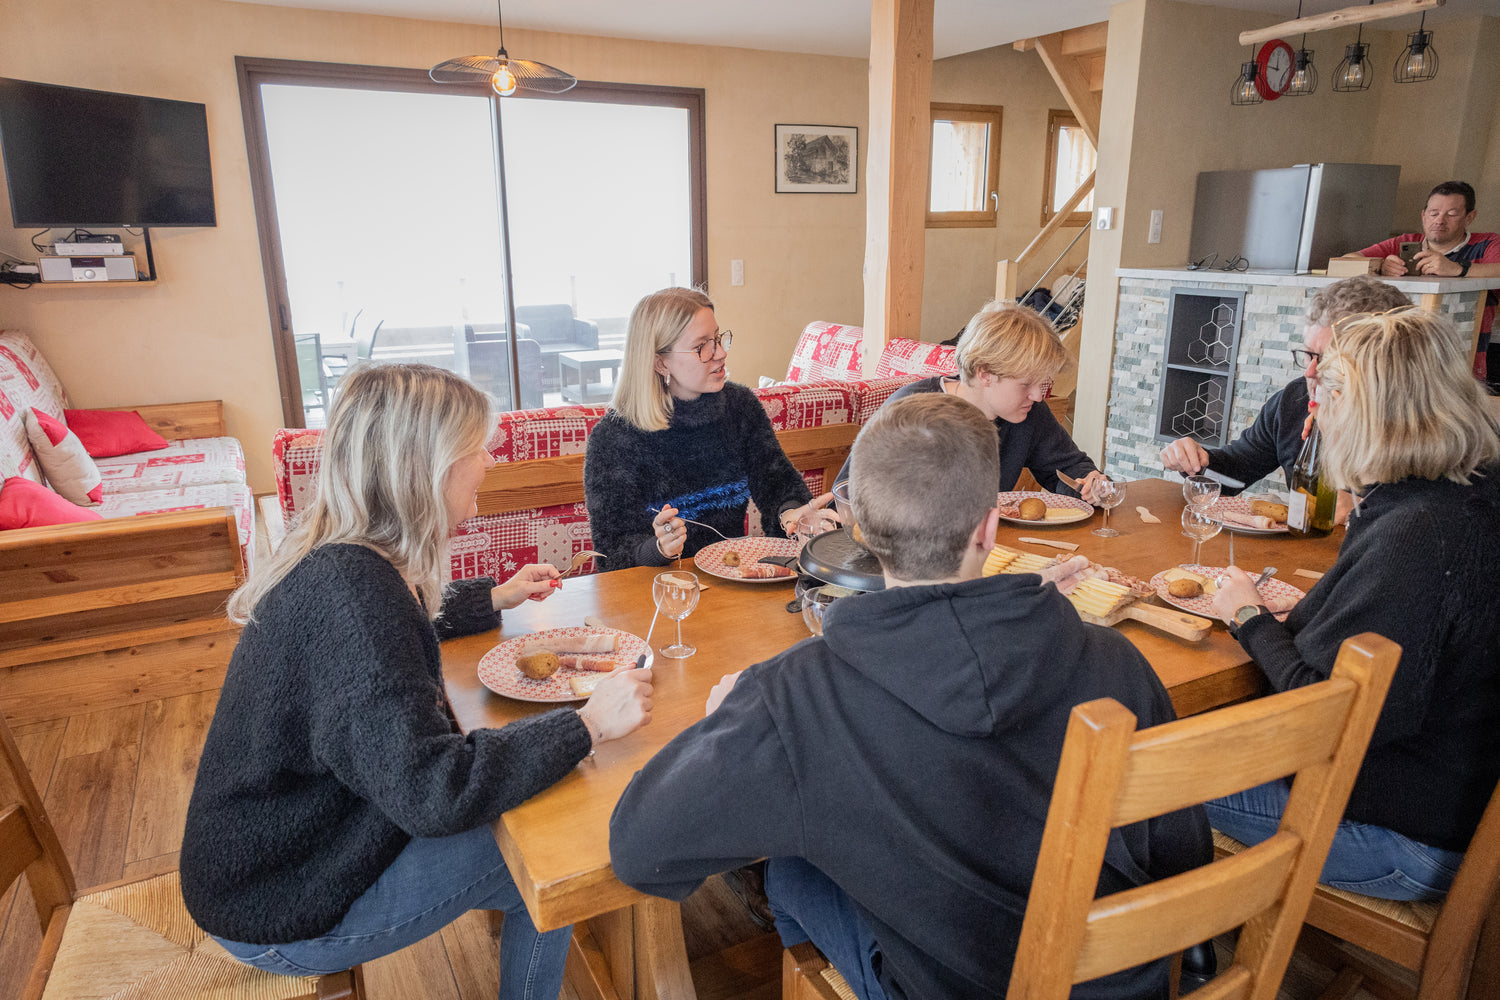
1354	72
1305	78
1418	62
1245	91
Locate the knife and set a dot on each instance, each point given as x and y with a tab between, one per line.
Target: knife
1068	480
1222	479
1068	546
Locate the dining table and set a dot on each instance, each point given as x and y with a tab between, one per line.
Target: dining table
629	944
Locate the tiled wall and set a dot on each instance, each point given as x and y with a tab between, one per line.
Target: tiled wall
1275	316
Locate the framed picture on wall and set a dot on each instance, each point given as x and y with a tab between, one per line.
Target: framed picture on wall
817	159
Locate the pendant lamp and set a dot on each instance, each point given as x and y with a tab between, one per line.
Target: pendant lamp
1418	62
1305	79
1245	91
1354	72
504	74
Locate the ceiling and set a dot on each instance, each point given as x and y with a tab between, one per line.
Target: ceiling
827	27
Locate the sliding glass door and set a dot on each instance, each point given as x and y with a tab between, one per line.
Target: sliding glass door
384	209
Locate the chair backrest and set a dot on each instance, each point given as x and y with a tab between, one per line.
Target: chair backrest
365	330
27	841
1111	775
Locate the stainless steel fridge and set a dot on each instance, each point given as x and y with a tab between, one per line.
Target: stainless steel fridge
1292	218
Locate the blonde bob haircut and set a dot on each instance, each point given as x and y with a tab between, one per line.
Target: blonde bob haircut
394	433
1010	341
923	476
641	395
1402	401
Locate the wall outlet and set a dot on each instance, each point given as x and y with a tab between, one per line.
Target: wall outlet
736	272
1154	235
1104	218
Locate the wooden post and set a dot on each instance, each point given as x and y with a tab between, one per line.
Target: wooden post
900	139
1005	280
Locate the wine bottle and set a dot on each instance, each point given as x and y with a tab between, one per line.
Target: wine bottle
1311	502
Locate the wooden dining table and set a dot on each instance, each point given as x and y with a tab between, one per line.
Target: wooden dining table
630	945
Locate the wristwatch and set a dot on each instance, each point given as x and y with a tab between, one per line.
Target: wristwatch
1245	612
1463	268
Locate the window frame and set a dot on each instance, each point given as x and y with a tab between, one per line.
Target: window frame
252	72
988	114
1057	118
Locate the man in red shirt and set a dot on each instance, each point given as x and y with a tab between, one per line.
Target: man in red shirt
1450	250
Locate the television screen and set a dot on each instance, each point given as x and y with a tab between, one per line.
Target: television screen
89	158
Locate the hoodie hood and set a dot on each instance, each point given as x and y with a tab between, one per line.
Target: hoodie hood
971	658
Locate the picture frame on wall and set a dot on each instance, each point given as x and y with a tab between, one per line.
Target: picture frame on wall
817	159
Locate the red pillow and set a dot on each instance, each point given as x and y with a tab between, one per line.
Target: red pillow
26	504
106	433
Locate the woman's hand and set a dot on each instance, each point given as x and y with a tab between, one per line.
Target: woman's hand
536	581
620	705
1065	575
670	531
826	519
1089	488
1235	590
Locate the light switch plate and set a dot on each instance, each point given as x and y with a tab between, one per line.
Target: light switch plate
736	272
1154	234
1104	218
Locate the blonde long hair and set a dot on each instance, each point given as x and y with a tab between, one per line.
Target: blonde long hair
1010	341
394	433
641	395
1407	402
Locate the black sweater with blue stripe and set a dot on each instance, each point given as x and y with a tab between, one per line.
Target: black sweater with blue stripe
716	455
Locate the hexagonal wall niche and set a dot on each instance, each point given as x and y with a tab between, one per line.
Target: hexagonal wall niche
1215	338
1202	413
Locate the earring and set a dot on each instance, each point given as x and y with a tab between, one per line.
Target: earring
666	380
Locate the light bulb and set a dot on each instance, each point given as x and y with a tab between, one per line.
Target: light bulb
1355	74
1416	62
504	81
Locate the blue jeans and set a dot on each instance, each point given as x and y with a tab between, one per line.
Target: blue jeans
431	883
1364	858
808	905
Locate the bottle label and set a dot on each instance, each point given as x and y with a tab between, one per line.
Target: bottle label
1299	510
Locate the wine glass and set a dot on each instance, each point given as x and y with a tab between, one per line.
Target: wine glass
676	595
815	602
1200	527
1109	493
1200	491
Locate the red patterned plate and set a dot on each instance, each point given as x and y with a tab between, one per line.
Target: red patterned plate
710	558
497	668
1082	508
1241	505
1272	589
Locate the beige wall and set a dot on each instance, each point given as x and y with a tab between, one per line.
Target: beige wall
960	273
202	331
1166	117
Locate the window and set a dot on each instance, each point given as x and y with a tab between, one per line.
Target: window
399	218
1070	160
963	180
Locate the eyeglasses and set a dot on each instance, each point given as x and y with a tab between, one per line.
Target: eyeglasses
708	348
1304	358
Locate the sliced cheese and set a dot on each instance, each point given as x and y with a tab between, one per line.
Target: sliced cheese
1062	513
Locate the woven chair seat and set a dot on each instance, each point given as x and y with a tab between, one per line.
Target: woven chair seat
838	984
1418	916
137	942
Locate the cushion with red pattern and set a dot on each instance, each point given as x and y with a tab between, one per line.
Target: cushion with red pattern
68	468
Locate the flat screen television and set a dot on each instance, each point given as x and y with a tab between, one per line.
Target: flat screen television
78	157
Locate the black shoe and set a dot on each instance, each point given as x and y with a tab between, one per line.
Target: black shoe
1200	964
749	886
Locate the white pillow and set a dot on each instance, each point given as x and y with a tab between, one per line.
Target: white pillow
68	468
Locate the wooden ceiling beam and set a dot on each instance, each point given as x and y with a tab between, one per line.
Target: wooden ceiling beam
1339	19
1073	80
1086	40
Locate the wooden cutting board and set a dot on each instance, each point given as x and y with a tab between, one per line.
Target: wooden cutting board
1169	620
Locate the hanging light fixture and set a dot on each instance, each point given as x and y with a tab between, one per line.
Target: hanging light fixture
1354	72
1245	91
504	74
1418	62
1305	74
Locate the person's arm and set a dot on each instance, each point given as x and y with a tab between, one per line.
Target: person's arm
720	795
775	484
1395	572
1051	450
468	608
1253	455
377	723
1391	266
615	495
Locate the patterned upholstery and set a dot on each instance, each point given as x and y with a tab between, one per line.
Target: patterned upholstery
828	351
915	357
188	474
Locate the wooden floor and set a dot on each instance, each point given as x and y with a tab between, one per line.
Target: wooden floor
116	785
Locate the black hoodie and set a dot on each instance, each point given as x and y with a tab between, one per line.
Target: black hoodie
909	754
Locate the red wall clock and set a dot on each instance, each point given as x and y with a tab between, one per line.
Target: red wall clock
1275	64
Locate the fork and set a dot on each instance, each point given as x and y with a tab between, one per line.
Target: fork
579	559
657	510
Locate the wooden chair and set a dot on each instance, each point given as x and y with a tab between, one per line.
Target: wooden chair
130	938
1452	945
1111	775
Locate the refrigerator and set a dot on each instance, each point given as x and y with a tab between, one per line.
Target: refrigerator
1292	218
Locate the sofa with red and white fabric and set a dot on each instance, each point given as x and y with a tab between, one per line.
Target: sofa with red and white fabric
497	544
831	351
176	475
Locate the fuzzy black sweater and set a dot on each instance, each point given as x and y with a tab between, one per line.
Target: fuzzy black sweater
333	745
718	453
1417	566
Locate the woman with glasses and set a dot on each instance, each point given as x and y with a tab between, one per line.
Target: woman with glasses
1408	430
683	444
